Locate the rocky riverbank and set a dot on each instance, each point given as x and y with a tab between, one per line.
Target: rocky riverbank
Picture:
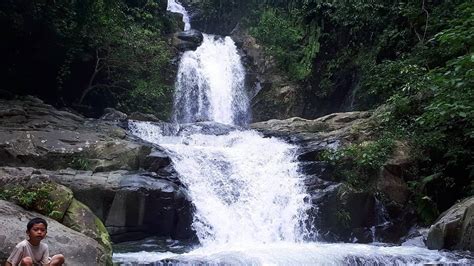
95	183
382	210
88	177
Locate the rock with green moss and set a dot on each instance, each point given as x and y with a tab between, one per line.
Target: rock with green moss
56	203
36	192
80	218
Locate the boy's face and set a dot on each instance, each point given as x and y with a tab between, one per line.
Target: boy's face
37	232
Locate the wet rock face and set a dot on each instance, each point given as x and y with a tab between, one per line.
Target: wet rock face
187	40
146	206
340	213
454	229
272	94
60	239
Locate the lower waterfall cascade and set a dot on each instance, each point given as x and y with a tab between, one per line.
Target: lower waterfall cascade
250	207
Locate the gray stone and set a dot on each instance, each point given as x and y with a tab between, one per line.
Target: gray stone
133	205
192	35
52	139
454	229
80	218
145	206
143	117
187	40
110	114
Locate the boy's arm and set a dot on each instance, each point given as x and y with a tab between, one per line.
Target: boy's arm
8	264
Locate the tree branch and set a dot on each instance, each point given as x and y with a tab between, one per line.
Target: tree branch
423	7
97	69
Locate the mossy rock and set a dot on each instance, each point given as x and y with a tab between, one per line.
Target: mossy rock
80	218
57	202
45	197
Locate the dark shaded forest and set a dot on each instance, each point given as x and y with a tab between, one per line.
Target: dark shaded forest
89	55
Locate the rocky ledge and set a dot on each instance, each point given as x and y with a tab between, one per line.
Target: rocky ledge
379	213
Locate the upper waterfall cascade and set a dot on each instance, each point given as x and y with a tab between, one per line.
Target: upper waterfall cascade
210	84
176	7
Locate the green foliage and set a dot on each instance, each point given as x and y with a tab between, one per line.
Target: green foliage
343	218
88	52
425	206
434	110
31	197
293	44
359	164
80	163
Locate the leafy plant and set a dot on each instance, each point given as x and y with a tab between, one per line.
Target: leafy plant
293	44
358	164
31	197
80	163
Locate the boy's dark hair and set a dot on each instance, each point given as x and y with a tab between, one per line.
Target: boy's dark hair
36	221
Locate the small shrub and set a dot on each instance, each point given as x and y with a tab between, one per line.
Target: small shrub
80	163
359	164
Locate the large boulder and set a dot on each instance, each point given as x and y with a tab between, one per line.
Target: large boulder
134	205
454	229
191	36
391	179
80	218
145	206
76	247
187	40
31	189
343	214
37	135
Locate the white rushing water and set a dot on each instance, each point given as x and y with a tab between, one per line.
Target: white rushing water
210	84
245	188
299	254
176	7
250	206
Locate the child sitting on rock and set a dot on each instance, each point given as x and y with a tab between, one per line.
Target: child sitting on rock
32	252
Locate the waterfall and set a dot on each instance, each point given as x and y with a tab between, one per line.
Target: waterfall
210	84
176	7
249	198
246	188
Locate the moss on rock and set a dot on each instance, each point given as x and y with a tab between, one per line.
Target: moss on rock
80	218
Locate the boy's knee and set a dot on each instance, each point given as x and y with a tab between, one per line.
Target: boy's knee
26	261
57	259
